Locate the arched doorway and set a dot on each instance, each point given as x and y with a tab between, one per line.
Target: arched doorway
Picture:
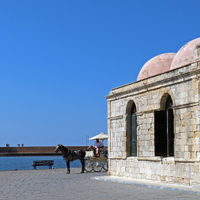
131	129
164	129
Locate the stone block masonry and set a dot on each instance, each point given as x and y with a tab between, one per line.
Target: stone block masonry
177	90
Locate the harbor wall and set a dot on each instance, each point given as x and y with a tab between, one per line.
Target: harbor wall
34	151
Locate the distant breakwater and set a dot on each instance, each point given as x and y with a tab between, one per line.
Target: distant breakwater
34	151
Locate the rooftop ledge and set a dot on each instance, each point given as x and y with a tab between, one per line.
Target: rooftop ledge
155	81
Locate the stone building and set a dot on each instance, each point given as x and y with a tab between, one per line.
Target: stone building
154	123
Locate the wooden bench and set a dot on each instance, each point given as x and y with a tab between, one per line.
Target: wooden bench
43	163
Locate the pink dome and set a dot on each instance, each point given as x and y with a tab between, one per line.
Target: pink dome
185	55
156	65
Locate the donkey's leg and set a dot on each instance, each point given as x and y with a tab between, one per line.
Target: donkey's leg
68	167
83	164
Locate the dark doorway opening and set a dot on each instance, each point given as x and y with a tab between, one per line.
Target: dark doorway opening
164	130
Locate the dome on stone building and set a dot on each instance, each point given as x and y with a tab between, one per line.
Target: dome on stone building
156	65
185	55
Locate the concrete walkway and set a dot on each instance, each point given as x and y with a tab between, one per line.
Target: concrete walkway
147	183
55	184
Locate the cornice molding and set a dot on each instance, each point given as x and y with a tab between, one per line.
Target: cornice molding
164	82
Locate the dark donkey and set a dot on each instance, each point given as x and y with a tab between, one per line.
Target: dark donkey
70	155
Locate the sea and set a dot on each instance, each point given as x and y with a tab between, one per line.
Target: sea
25	162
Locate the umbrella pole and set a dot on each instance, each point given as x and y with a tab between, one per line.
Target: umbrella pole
87	137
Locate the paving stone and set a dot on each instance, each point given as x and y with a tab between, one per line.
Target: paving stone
56	184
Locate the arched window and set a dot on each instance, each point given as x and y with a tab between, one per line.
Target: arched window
131	146
164	129
133	131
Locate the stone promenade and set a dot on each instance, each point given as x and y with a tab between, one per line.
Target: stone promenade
55	184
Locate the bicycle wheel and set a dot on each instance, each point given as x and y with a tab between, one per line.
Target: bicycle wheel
105	165
97	166
88	166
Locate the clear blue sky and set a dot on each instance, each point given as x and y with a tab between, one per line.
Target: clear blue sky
60	58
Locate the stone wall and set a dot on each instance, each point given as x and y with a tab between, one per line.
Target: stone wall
34	150
149	95
164	170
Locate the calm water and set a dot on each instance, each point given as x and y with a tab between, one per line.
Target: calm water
25	162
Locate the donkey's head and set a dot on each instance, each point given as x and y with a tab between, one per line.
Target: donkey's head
58	148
